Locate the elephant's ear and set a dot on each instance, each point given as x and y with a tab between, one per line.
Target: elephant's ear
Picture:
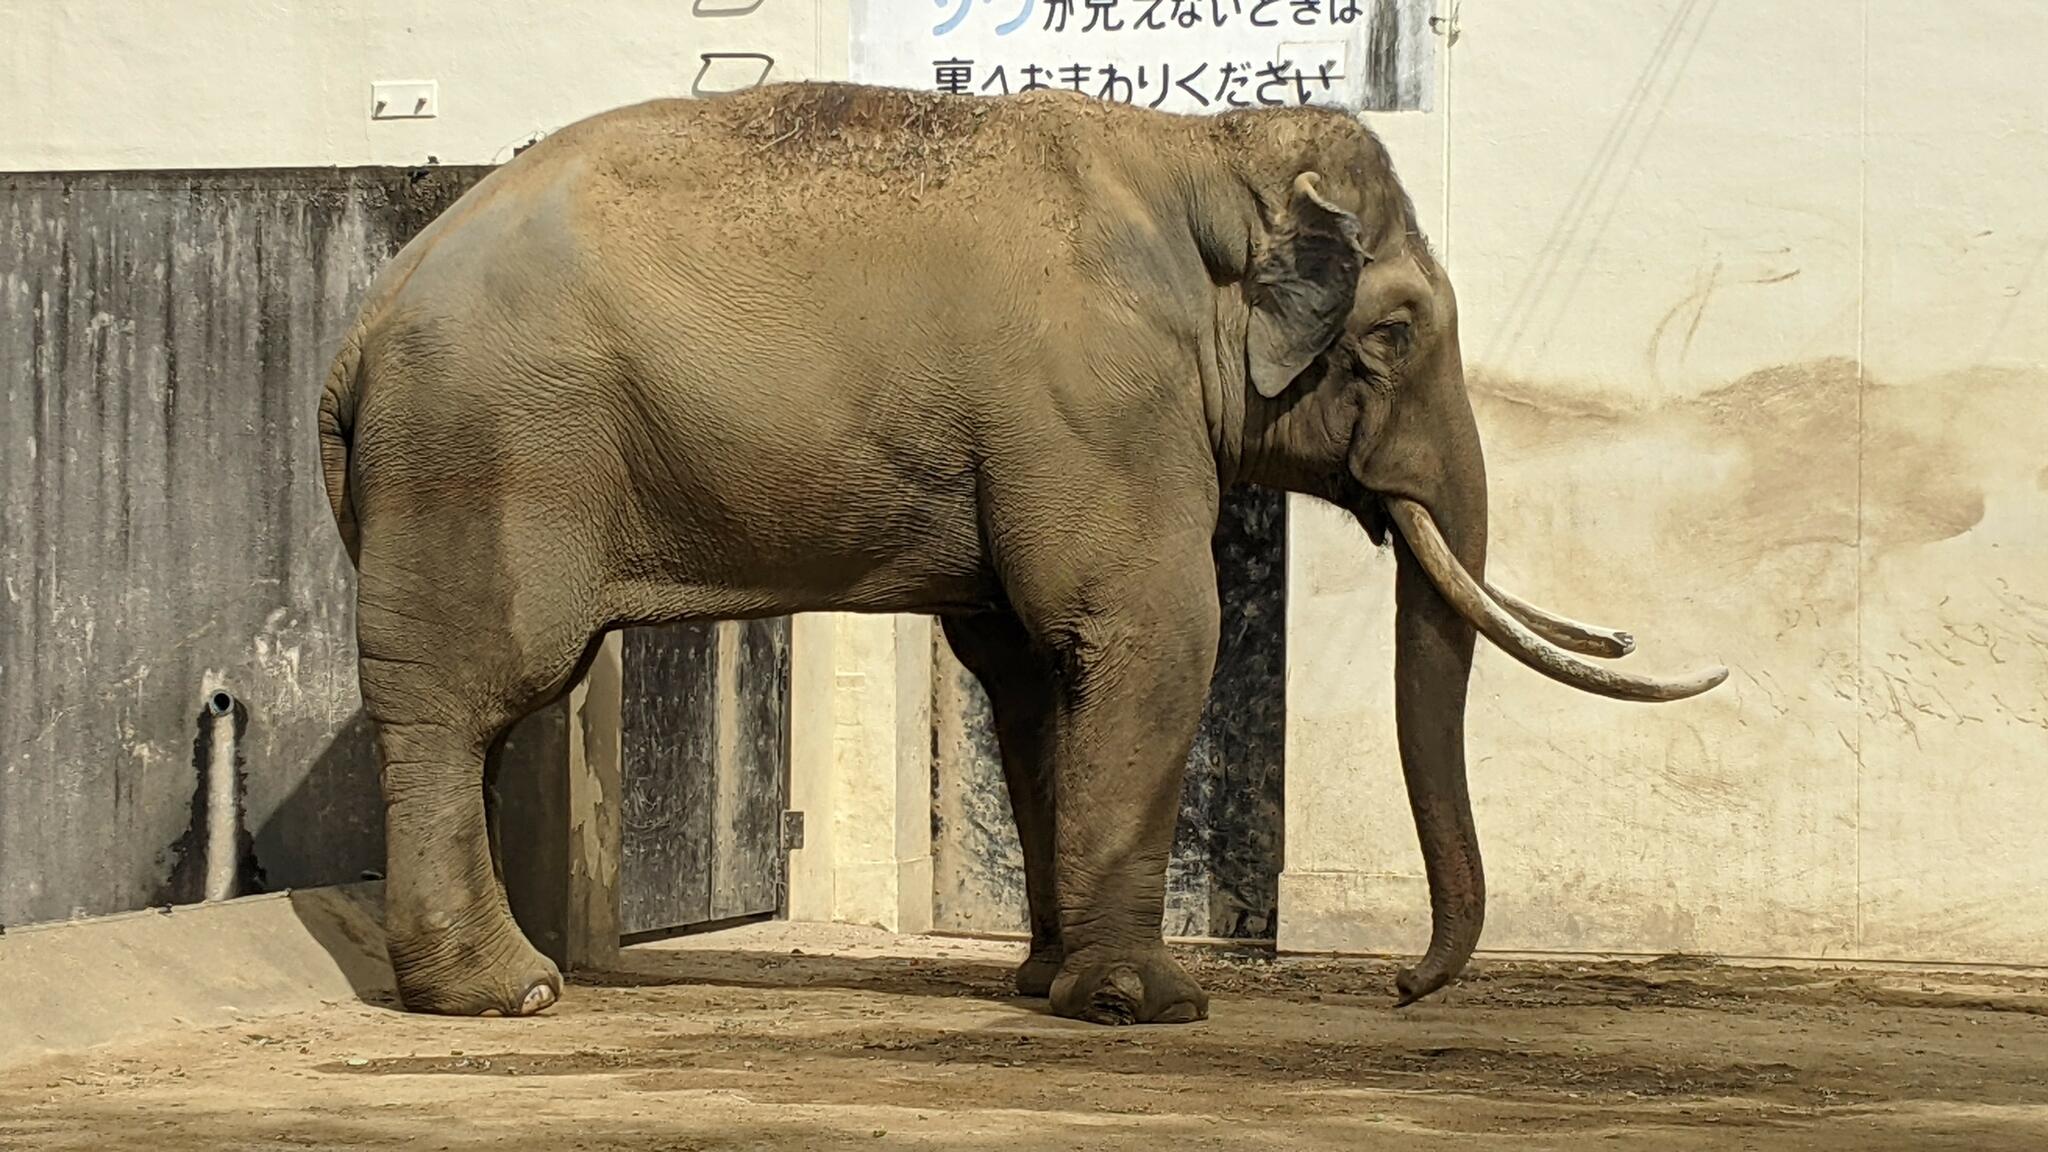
1304	279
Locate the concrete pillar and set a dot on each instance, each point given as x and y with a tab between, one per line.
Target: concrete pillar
860	770
1353	879
558	810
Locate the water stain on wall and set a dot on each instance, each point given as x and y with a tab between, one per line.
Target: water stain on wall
1792	431
1930	449
1763	447
163	529
1805	453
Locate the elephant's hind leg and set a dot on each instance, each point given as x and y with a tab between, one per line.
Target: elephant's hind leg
462	633
996	649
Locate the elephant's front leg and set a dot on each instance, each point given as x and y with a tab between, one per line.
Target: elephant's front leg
996	649
1133	670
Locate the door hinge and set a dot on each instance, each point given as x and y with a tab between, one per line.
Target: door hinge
792	830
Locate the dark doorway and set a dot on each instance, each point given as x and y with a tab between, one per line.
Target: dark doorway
705	734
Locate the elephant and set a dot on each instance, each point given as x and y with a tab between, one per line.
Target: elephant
835	347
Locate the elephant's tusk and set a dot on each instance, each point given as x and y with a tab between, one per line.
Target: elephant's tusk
1570	635
1508	633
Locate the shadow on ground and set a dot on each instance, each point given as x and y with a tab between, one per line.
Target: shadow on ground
348	923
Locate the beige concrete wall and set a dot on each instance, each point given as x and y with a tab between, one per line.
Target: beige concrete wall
1752	305
860	771
254	83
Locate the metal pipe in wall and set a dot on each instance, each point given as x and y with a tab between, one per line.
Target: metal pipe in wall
223	816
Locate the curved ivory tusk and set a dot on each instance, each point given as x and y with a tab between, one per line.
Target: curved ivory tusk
1499	625
1570	635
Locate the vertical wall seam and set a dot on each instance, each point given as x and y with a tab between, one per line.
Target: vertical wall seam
818	43
1450	39
1862	374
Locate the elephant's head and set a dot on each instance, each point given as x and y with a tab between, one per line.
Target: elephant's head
1354	390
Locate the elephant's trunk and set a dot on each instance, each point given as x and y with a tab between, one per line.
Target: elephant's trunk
1432	664
1427	474
1442	601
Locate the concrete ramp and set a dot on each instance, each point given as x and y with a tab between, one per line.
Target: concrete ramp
85	982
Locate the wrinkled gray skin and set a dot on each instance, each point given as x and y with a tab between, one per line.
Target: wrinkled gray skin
825	347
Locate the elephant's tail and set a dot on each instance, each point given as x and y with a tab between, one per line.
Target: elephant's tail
337	423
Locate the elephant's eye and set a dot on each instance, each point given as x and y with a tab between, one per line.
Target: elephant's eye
1396	334
1369	363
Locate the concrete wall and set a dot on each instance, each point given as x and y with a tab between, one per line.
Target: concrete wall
861	770
253	83
1752	307
163	527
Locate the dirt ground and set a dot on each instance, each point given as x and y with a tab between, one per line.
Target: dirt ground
788	1037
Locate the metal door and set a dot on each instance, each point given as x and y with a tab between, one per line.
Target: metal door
705	734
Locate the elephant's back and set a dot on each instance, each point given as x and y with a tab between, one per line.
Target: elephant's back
773	167
890	141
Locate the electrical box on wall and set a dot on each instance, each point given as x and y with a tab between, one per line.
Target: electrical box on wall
404	100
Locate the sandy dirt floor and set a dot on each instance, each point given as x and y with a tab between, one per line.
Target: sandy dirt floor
798	1037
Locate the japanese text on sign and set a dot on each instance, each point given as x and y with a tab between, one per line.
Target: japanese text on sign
1175	55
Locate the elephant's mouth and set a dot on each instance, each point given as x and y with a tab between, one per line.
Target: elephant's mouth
1372	516
1543	641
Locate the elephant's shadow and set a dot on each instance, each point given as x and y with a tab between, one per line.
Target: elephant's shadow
347	923
323	843
322	826
753	968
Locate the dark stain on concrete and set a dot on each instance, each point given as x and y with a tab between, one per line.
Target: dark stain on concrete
1825	454
162	521
1921	484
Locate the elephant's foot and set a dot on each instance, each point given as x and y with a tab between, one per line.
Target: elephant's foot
1145	987
457	973
1035	975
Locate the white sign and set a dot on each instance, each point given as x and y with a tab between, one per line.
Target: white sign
1175	55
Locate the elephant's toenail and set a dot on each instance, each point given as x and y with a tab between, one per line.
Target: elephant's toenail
538	999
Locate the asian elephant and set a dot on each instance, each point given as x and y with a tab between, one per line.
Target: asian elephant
832	347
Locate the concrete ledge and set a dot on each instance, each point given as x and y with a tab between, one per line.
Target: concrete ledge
79	983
